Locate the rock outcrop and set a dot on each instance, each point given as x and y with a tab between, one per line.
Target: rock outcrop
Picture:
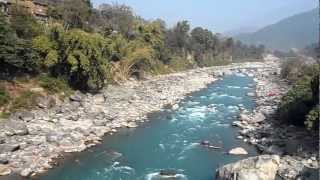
263	167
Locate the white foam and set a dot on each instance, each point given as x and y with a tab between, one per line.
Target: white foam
157	176
234	87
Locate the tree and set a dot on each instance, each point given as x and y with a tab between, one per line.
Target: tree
23	23
74	13
84	59
177	39
118	18
16	55
7	45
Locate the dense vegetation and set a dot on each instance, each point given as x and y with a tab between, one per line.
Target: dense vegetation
300	106
84	48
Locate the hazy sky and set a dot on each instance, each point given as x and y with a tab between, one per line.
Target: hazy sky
217	15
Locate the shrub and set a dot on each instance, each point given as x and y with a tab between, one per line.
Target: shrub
54	85
4	96
26	100
300	105
312	119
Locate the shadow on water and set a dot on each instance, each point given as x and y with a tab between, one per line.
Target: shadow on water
170	141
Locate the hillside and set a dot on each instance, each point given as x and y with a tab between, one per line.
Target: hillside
296	31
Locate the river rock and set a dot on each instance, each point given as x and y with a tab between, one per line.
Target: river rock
4	159
273	149
4	170
258	117
77	97
99	122
262	167
54	138
25	116
245	117
45	102
238	151
4	148
26	172
14	127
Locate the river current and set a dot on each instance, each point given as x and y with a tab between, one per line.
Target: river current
170	142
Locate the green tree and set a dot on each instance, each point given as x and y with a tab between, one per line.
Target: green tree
16	55
23	23
84	59
73	13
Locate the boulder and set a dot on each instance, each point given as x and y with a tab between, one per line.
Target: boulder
45	102
26	116
274	149
99	122
54	138
26	172
262	167
14	127
77	96
258	117
205	143
4	170
4	148
245	117
4	159
238	151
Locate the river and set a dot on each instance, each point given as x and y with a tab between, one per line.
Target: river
170	141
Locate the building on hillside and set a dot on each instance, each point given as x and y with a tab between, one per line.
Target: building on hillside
37	8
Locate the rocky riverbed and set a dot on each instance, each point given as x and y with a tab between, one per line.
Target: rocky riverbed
30	141
288	152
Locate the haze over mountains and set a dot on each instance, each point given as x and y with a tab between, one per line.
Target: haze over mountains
297	31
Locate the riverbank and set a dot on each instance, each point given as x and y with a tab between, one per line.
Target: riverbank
288	152
30	141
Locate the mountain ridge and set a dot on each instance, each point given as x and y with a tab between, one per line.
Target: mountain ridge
296	31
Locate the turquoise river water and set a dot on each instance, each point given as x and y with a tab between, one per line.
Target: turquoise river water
170	141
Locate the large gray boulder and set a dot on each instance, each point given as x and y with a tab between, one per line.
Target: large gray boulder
14	127
262	167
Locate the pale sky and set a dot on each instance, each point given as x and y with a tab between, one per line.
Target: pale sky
217	15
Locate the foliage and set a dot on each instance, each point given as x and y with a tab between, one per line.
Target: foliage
298	105
7	45
116	17
4	96
54	85
23	23
242	52
47	51
73	13
26	100
85	46
16	55
312	119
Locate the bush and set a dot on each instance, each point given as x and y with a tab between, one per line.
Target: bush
312	119
4	96
27	100
54	85
179	64
300	106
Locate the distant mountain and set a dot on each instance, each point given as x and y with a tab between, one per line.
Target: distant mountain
297	31
241	30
